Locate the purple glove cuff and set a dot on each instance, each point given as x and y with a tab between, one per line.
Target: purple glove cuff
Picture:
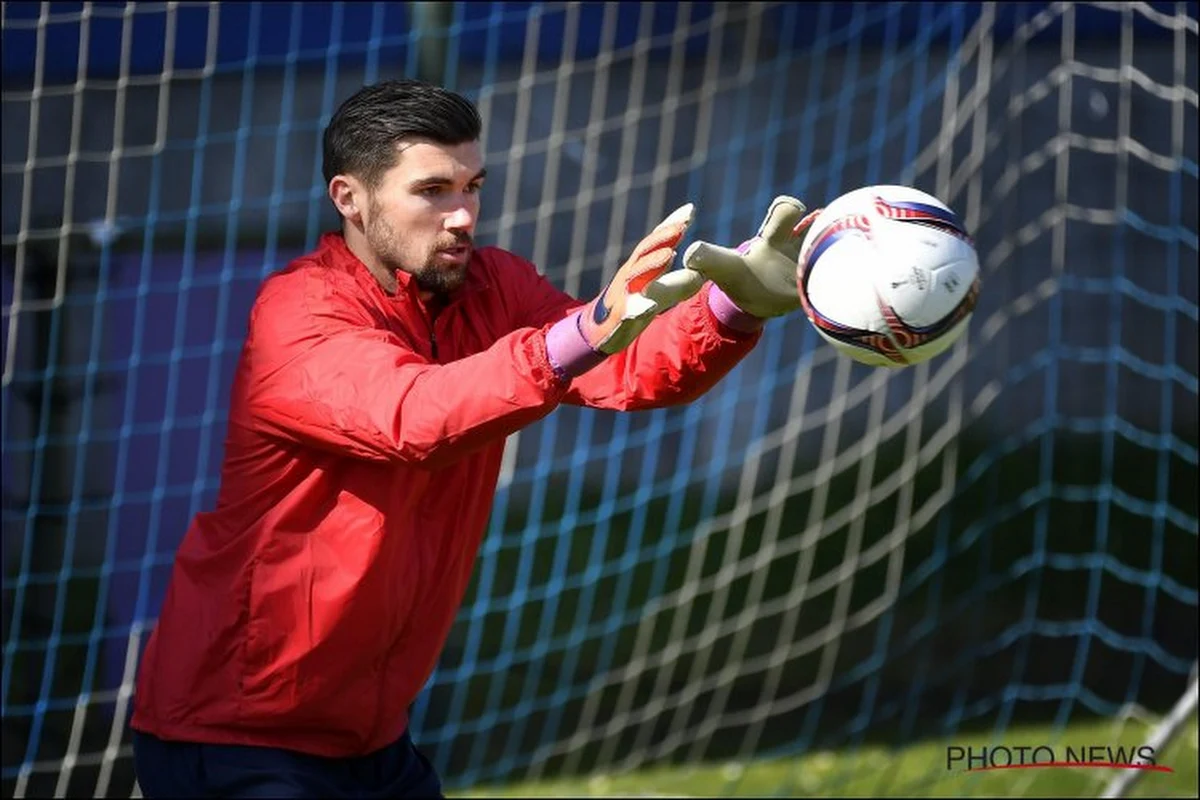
568	350
727	312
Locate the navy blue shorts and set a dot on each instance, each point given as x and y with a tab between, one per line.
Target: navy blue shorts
187	769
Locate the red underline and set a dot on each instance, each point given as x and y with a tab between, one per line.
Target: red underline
1075	764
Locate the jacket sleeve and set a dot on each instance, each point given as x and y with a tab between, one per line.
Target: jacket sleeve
316	371
680	356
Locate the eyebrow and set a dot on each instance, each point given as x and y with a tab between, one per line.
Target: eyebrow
439	180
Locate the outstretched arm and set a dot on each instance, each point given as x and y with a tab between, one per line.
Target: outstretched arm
318	371
685	351
682	354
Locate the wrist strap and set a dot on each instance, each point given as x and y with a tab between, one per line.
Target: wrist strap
728	313
568	350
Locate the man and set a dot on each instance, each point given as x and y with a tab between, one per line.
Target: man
380	376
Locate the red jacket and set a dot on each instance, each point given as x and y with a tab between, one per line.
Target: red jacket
310	607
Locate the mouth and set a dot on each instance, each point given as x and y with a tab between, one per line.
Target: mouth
457	254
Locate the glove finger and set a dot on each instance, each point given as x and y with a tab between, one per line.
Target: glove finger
674	287
648	267
713	261
777	227
680	216
667	233
803	225
637	306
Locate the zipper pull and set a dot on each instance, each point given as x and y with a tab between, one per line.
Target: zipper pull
433	345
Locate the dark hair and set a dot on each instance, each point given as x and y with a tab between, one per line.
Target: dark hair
362	136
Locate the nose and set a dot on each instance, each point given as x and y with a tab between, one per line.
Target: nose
462	217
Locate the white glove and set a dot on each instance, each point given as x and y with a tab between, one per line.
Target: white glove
760	275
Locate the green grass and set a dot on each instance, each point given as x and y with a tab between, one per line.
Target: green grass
918	770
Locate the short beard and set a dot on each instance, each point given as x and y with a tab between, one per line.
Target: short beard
437	279
441	281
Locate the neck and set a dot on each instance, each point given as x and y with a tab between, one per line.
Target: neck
356	241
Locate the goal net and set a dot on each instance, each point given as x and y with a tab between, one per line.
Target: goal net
813	567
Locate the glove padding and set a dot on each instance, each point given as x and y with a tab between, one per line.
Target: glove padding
760	275
642	289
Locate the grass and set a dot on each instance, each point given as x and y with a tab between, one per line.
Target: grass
918	770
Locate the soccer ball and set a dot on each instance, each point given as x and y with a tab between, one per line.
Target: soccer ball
888	275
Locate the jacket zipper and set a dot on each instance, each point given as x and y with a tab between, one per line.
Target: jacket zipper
429	323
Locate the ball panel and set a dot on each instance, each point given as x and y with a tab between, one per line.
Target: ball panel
875	349
923	287
909	336
848	259
939	345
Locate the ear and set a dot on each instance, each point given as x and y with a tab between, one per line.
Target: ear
349	197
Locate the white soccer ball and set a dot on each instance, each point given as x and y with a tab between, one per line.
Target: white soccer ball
888	275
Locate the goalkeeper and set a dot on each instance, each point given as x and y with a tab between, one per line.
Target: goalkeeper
379	378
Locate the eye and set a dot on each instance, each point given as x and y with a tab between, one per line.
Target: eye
429	191
474	188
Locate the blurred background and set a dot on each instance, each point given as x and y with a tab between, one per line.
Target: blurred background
809	581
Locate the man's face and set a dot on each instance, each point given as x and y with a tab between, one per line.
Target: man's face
421	218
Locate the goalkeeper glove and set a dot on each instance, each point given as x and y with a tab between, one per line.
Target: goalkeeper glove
760	275
641	290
